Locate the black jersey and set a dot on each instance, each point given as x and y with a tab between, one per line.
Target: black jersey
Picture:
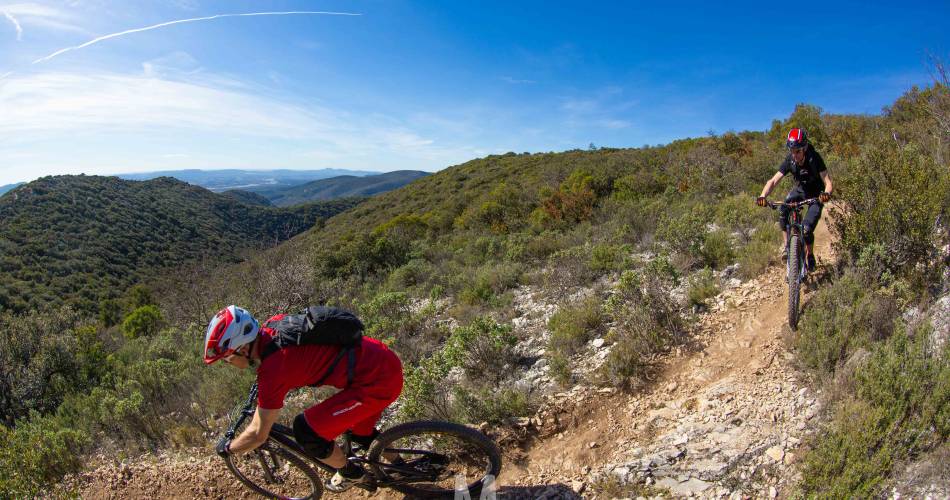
808	175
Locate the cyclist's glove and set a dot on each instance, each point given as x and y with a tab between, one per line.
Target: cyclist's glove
760	201
224	447
824	197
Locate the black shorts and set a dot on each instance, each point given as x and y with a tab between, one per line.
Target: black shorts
810	221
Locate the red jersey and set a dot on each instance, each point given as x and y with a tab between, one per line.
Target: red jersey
300	366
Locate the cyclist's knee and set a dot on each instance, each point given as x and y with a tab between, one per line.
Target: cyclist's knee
315	445
808	235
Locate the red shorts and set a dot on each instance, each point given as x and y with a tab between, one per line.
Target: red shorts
359	406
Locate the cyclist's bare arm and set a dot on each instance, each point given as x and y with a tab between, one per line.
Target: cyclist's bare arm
771	183
827	178
256	432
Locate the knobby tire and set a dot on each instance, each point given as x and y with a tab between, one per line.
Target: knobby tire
471	436
794	269
316	484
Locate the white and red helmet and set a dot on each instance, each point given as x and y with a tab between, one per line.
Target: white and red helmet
231	328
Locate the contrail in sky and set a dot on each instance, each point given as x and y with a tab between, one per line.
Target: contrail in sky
182	21
19	29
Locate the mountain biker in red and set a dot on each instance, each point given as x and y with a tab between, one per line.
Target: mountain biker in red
236	337
812	181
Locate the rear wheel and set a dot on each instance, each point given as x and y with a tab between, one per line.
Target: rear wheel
434	459
794	270
274	472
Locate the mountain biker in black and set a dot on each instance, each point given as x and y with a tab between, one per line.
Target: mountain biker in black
812	181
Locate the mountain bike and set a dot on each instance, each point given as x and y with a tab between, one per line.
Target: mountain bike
796	268
423	459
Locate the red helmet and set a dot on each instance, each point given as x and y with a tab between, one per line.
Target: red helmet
230	329
797	138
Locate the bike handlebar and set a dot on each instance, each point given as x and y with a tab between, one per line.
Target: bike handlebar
794	204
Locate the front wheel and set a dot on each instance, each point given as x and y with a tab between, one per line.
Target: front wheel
433	459
794	270
274	472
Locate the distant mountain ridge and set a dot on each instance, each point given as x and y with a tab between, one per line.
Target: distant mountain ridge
341	187
7	187
81	239
247	180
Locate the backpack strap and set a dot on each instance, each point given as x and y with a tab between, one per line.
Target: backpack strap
269	349
350	352
350	365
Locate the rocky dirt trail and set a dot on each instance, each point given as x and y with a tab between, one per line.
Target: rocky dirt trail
724	418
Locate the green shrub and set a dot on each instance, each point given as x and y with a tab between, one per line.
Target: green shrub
489	282
685	235
38	365
572	202
501	210
702	286
717	251
559	368
895	198
569	269
389	316
110	312
142	322
573	326
757	255
647	321
738	213
633	187
36	454
604	257
900	408
425	393
490	406
140	296
842	317
413	273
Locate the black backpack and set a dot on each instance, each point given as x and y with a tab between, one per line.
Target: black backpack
321	326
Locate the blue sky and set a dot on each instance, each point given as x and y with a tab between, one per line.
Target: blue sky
425	85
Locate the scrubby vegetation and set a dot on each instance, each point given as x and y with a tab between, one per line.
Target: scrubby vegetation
432	268
867	333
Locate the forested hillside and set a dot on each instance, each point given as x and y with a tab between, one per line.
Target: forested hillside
625	245
84	239
340	187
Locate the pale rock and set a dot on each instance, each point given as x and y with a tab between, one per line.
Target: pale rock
776	453
578	486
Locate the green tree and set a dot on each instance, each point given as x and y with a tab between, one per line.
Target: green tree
109	312
142	322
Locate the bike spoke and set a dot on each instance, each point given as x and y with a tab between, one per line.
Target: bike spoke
268	470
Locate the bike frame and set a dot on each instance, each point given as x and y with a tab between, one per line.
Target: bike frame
796	228
284	436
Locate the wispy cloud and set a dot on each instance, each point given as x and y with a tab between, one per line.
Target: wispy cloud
97	103
175	63
41	16
16	25
224	121
183	21
516	81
